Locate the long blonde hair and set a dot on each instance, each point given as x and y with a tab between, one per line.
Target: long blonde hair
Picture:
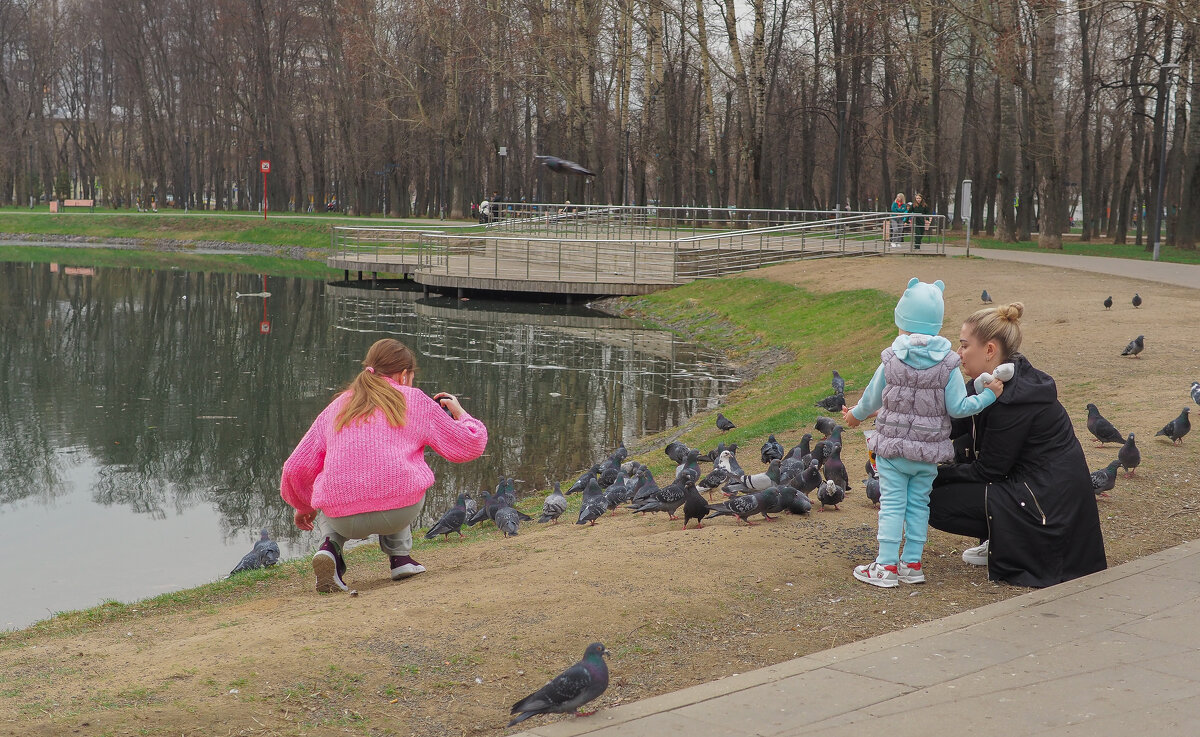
1000	324
370	390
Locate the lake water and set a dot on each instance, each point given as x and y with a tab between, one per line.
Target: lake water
145	414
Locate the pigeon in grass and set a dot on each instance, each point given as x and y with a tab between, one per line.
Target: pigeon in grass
728	461
1108	302
582	482
471	506
744	507
1196	392
825	425
570	689
1136	346
554	505
723	423
772	450
1129	455
1137	300
263	554
839	384
487	511
985	297
1105	479
1101	428
676	451
756	482
594	504
1177	428
830	495
694	506
832	403
451	521
508	520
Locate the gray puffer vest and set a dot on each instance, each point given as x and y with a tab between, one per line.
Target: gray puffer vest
913	422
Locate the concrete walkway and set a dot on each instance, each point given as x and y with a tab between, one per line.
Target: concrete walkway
1113	654
1183	275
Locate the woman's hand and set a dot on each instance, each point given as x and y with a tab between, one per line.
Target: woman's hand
450	403
848	417
304	520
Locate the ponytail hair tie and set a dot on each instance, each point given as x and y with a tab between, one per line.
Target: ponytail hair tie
370	369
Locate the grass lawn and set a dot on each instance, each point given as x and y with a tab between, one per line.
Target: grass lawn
145	259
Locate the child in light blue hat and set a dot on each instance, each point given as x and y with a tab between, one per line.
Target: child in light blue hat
917	388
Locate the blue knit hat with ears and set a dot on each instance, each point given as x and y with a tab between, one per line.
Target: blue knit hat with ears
921	307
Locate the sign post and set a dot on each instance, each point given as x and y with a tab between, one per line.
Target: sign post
964	206
265	166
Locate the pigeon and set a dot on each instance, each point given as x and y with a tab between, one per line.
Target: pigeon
794	501
620	454
451	521
617	494
830	494
772	450
872	486
694	506
1108	302
1101	428
1196	392
608	476
676	451
723	423
1135	346
264	554
987	298
1137	300
835	470
803	448
563	166
1177	428
506	491
1129	455
570	689
582	482
594	504
508	520
793	463
825	425
728	461
648	487
715	479
757	482
1105	479
471	506
810	478
691	462
487	511
670	497
832	403
554	505
839	384
742	507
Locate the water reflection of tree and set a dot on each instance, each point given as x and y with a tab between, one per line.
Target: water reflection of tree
164	378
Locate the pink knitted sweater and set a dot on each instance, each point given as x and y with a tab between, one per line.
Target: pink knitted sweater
371	466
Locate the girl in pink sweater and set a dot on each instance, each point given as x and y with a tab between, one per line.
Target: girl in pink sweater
362	463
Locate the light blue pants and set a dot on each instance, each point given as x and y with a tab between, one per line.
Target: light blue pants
904	488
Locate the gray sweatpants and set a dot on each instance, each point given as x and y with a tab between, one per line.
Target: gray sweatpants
394	527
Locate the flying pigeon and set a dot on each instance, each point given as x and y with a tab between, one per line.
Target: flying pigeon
570	689
1196	392
1129	455
757	482
1101	428
829	493
1108	302
832	403
1177	428
1137	300
594	504
772	450
451	521
1136	346
554	505
694	506
723	423
264	554
987	298
825	425
1105	479
839	384
563	166
508	520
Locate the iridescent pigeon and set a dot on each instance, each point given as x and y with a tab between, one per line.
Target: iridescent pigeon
451	521
1101	428
1105	479
570	689
1129	455
1177	428
264	554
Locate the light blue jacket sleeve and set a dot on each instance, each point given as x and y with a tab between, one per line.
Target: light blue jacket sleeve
959	404
872	398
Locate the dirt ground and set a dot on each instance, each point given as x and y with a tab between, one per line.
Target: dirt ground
448	652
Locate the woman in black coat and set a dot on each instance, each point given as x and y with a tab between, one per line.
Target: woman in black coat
1023	486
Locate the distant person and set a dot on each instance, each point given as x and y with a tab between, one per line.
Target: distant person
566	208
360	469
485	211
899	205
920	219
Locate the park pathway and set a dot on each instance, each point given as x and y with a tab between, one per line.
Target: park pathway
1183	275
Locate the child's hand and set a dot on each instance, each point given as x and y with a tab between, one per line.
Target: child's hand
996	386
304	520
848	417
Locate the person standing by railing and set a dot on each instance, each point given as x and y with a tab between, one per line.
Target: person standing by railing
899	205
920	220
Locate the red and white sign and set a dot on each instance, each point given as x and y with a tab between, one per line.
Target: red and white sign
265	165
264	327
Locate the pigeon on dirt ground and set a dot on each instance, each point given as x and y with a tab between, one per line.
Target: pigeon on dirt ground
714	480
825	425
508	520
1105	479
839	384
744	507
594	504
830	494
723	423
264	554
570	689
1137	300
1196	392
755	482
772	450
871	483
832	403
582	482
669	498
1101	428
451	521
1129	456
1177	428
1108	302
835	470
793	501
694	507
554	505
987	298
676	451
1136	346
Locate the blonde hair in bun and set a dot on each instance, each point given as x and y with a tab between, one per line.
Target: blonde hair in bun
1001	325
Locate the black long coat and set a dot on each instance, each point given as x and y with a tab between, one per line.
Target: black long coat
1041	511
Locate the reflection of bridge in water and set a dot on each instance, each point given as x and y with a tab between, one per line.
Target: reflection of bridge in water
609	250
